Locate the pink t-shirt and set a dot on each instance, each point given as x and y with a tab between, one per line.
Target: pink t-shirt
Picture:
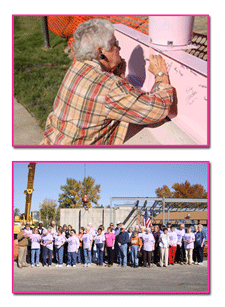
173	238
29	233
180	234
141	234
59	240
148	241
35	241
189	237
73	243
46	239
99	238
92	231
87	238
109	237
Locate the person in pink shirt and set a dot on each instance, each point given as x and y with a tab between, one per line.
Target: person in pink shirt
148	247
47	243
110	242
172	244
59	248
72	249
189	239
87	244
100	244
35	238
92	230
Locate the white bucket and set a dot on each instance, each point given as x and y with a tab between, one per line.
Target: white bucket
171	30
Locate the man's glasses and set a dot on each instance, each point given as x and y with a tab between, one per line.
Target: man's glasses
116	43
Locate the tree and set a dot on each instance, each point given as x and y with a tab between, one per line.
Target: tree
164	192
186	190
16	212
74	190
48	211
183	190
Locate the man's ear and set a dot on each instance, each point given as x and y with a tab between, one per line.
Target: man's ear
99	51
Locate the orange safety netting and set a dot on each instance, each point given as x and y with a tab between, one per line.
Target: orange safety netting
65	26
130	21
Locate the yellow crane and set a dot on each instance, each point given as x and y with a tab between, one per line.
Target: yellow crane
27	216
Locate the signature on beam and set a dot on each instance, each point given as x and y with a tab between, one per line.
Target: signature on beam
168	66
191	95
178	71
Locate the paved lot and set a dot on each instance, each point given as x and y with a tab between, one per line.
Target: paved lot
175	278
26	128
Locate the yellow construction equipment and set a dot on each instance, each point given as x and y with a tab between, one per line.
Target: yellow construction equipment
27	216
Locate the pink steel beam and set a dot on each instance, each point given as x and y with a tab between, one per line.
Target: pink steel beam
188	75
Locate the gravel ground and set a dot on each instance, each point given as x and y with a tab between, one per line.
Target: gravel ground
175	278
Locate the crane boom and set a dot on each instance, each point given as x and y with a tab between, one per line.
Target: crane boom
29	190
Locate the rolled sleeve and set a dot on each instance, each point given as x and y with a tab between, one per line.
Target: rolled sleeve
124	103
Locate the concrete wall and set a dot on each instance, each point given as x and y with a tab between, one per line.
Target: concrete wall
96	216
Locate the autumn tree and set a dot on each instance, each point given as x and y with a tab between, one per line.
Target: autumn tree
164	192
183	190
48	211
74	190
186	190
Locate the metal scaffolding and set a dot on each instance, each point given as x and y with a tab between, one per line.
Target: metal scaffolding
160	204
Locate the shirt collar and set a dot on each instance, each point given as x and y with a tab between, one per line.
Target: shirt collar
94	63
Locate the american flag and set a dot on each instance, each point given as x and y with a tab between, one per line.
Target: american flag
146	221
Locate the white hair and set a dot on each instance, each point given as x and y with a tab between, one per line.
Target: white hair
92	34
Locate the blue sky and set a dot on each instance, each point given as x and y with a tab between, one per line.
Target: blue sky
116	179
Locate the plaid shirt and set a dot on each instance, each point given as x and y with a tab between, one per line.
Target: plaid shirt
94	107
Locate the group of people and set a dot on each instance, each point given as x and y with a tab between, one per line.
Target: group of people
136	247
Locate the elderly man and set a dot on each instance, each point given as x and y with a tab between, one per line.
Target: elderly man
95	104
54	227
28	230
122	240
22	238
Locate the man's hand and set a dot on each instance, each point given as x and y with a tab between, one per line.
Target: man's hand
157	64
